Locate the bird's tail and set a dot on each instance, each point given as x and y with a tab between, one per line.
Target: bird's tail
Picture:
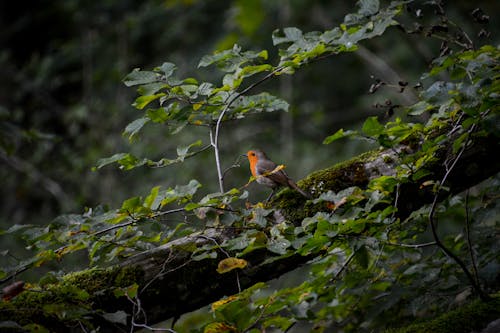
292	184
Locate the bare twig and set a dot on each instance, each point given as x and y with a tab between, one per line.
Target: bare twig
433	222
215	145
214	131
160	273
469	242
155	329
121	225
236	164
163	271
84	330
216	243
412	246
238	281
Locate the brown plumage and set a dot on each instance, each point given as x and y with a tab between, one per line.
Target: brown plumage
262	169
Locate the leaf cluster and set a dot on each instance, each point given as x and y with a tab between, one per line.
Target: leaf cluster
369	262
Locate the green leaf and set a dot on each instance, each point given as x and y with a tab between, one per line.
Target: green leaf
151	88
325	228
159	115
339	135
130	291
293	34
419	108
142	101
420	173
252	70
314	244
362	256
16	228
205	89
188	190
368	7
259	216
167	68
183	151
35	328
118	317
263	54
372	127
383	184
137	77
134	127
459	142
131	204
279	322
12	326
109	160
278	245
151	201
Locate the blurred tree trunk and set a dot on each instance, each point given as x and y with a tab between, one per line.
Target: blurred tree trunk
286	92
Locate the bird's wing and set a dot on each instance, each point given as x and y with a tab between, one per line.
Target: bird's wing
266	168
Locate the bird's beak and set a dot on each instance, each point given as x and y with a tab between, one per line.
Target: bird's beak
245	155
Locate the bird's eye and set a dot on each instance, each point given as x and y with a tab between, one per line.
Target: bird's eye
253	154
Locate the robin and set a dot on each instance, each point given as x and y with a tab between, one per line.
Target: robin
266	173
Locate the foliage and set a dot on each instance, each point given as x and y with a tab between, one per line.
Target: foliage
466	319
371	263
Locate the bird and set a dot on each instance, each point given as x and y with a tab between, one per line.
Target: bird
267	173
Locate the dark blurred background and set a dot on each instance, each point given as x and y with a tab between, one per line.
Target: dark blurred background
63	105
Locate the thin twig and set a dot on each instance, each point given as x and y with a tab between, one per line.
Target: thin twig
396	199
216	243
412	246
163	272
238	281
117	226
154	329
177	210
215	145
160	273
469	242
82	326
433	223
236	164
344	266
214	133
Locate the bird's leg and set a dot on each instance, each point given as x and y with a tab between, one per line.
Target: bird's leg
270	196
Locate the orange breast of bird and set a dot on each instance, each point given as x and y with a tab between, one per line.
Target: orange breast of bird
253	159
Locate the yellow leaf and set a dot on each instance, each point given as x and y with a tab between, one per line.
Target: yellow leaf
229	264
219	303
427	183
196	106
219	328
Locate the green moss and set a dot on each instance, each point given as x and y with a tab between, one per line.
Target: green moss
74	296
339	176
95	279
388	159
472	317
334	178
